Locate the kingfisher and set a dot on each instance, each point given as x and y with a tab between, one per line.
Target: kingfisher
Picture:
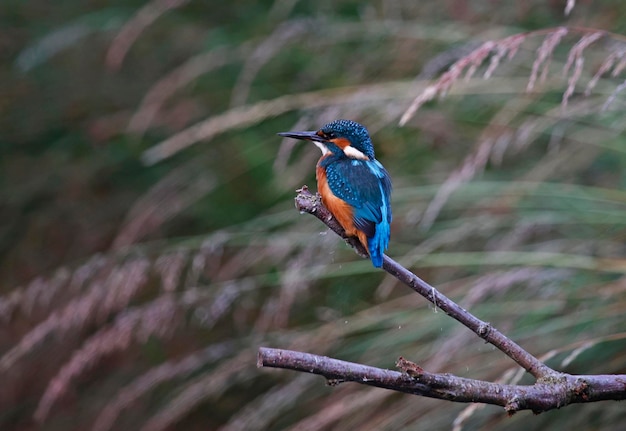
354	186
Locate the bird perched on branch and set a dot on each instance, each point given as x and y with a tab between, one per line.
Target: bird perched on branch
354	186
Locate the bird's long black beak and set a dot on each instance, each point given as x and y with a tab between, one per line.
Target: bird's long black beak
309	136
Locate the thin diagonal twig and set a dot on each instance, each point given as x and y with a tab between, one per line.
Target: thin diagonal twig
307	202
551	390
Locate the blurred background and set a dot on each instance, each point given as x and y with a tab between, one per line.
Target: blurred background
149	243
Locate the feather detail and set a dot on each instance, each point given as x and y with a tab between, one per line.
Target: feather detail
340	209
357	193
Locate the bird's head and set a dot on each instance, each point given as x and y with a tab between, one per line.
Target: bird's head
345	137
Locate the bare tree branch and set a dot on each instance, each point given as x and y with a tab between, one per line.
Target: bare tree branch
309	203
551	390
545	394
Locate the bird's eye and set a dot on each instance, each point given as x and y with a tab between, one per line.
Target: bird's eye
331	135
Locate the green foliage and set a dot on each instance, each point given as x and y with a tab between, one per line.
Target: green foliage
149	245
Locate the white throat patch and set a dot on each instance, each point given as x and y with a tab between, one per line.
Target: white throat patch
353	153
322	147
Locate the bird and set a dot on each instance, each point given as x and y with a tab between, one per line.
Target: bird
353	185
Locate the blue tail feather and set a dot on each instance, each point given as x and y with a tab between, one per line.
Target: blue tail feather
378	244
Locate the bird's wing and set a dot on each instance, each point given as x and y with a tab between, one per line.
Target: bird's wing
366	186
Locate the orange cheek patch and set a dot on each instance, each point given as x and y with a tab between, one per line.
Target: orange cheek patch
340	142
